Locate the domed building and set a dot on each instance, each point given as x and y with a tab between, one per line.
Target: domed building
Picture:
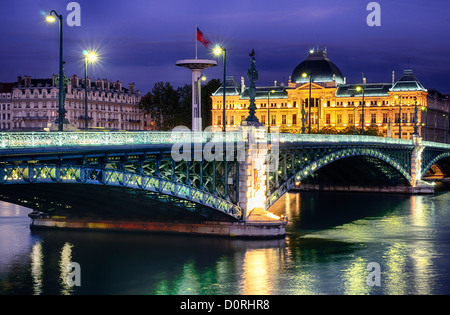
320	67
337	106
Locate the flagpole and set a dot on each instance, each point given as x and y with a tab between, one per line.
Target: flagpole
196	41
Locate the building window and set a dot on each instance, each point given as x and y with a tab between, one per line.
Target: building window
219	120
283	119
397	118
404	117
350	119
294	119
373	119
328	119
231	120
263	119
385	118
274	120
339	119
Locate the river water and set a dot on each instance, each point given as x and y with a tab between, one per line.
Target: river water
331	239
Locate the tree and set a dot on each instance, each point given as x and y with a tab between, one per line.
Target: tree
161	103
171	108
207	90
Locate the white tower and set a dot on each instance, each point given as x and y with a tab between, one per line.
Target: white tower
196	65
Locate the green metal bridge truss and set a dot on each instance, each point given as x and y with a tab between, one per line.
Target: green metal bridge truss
143	161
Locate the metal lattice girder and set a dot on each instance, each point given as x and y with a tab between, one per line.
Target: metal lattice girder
314	159
431	158
28	174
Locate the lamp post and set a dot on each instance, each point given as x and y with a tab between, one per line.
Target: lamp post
197	115
446	127
424	108
217	51
88	57
416	118
268	110
304	75
61	111
359	89
400	116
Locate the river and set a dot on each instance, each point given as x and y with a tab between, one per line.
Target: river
331	240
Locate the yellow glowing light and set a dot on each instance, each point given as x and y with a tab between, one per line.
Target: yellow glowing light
358	88
90	56
203	78
50	19
217	50
304	75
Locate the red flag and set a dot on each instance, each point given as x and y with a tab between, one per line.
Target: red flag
202	38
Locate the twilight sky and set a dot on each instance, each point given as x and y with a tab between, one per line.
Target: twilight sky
140	40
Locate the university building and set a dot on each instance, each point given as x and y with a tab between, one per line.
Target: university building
336	105
32	104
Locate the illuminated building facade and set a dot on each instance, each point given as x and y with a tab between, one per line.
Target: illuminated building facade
32	104
337	105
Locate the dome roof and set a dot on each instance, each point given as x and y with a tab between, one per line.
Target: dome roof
320	67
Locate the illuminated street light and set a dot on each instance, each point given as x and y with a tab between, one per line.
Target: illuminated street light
304	75
50	19
268	110
400	115
218	50
359	89
88	57
61	112
198	114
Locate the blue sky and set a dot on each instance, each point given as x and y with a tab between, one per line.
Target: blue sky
140	40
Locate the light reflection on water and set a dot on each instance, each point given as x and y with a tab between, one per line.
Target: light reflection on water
330	241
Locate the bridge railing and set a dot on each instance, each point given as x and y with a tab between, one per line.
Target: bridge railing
436	145
11	140
317	138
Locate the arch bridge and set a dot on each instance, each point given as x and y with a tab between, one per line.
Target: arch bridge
228	174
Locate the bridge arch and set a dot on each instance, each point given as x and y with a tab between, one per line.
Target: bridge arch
440	158
321	162
76	174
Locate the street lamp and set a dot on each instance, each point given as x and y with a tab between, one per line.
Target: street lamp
217	51
400	115
51	19
268	110
446	127
425	109
416	118
304	75
88	57
197	115
359	89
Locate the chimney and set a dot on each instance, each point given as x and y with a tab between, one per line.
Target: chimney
118	86
242	85
107	84
27	81
75	81
131	87
19	80
88	83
